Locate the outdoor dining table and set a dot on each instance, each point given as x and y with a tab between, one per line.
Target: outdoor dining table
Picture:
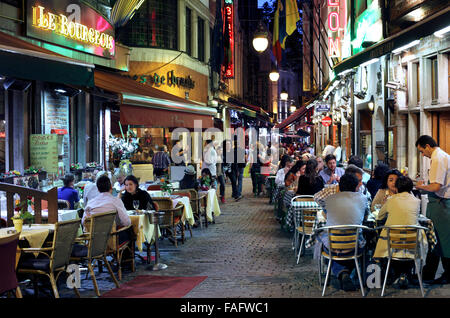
34	235
212	204
145	231
188	214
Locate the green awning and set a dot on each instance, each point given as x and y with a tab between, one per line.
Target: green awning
33	65
419	30
249	113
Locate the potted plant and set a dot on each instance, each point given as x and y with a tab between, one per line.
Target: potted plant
22	215
166	187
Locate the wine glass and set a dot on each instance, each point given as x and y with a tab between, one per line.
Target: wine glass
136	204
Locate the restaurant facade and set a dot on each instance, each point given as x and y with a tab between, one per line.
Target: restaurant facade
48	59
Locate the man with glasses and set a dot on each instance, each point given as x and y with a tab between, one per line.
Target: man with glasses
438	208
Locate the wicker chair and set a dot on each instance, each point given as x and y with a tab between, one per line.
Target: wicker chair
120	247
198	209
166	205
8	278
93	244
63	205
52	259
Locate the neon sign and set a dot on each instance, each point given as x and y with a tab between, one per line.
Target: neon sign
61	25
71	23
229	37
336	18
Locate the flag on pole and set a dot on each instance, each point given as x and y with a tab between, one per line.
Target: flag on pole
218	49
292	17
285	23
276	46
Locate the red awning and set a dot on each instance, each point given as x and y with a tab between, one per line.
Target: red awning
297	115
147	106
137	115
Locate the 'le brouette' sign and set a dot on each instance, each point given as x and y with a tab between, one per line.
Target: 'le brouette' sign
322	107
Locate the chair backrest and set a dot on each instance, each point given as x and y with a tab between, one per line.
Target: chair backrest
182	193
63	239
403	237
178	210
344	238
164	203
100	227
309	215
8	247
63	204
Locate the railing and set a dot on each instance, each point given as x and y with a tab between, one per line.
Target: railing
51	197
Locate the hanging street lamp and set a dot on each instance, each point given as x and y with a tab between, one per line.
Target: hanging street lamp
260	38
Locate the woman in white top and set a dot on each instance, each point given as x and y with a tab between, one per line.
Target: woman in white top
285	166
401	209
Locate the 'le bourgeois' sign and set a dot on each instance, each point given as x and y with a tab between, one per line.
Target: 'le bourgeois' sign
72	24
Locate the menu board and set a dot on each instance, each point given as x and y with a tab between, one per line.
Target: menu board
56	116
44	152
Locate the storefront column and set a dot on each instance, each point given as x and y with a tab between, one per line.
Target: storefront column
181	25
15	130
80	135
412	137
402	137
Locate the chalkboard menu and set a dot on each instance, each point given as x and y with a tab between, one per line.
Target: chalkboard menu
44	152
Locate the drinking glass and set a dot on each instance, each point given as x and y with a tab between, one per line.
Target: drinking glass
136	204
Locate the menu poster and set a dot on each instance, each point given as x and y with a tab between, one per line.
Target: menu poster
44	152
56	116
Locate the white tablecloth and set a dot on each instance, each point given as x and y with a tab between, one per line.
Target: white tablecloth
63	215
188	214
212	204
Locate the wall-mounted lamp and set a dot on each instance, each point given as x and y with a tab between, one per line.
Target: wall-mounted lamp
284	95
371	104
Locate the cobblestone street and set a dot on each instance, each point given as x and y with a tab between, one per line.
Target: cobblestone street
245	254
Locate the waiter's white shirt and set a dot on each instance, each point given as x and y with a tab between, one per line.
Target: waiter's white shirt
440	172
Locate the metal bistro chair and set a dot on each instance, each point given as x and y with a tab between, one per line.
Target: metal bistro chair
166	205
308	221
93	244
343	239
52	259
403	238
8	278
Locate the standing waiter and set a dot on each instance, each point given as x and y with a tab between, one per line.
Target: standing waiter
438	208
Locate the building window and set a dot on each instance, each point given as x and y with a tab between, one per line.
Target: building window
434	79
188	31
153	25
416	83
201	39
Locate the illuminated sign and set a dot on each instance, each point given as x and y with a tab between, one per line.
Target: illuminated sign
72	24
326	121
336	20
170	80
228	71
